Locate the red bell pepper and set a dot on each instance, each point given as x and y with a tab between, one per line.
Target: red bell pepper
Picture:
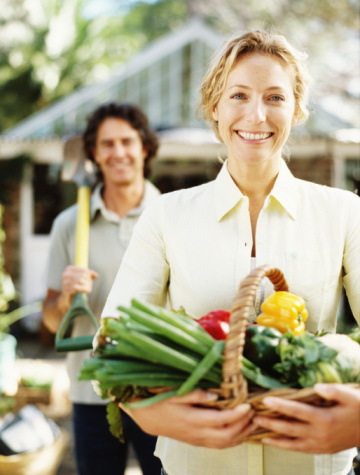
216	323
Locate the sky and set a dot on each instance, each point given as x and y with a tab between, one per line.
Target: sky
105	7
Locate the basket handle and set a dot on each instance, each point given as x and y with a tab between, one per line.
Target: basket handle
234	385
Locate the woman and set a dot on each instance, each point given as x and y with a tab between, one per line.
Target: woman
193	247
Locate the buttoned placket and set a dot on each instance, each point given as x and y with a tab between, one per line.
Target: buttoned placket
260	252
245	240
243	257
256	451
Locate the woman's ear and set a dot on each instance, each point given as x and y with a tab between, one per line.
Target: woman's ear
294	119
215	114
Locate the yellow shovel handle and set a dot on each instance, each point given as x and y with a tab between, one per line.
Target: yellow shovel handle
82	227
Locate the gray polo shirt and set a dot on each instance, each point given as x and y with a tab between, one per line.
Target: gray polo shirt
108	240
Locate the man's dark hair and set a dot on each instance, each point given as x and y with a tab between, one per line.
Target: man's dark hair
135	118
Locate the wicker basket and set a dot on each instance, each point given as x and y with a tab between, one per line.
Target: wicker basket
45	461
234	388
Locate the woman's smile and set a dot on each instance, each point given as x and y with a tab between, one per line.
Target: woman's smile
253	136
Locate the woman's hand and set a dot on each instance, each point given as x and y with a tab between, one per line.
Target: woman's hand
317	430
179	418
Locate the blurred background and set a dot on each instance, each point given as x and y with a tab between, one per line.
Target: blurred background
60	59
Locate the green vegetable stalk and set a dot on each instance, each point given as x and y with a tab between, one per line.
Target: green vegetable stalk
149	348
150	354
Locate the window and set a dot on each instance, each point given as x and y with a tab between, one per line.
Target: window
51	196
352	175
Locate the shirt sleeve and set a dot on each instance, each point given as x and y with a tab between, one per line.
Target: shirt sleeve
144	271
351	261
61	252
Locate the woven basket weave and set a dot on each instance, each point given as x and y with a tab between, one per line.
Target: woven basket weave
234	388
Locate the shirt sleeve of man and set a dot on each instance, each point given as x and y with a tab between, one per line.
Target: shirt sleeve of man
61	252
147	281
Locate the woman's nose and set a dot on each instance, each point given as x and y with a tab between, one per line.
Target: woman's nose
256	112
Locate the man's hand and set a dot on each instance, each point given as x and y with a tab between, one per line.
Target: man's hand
182	419
317	430
74	279
77	279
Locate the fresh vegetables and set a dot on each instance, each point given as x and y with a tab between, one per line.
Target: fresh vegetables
284	311
261	345
346	347
151	353
355	334
216	323
305	360
302	360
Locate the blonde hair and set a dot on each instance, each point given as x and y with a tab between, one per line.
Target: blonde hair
257	41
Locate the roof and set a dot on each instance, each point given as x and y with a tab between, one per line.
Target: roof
43	122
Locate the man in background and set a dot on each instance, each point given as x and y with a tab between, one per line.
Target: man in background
118	139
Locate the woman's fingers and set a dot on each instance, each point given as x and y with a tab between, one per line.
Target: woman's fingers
211	416
305	414
183	418
340	393
198	396
299	445
302	412
313	429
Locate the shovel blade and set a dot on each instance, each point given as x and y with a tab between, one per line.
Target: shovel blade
76	167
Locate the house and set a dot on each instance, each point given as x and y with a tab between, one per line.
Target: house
163	79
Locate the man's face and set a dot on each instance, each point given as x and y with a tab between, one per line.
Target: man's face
119	152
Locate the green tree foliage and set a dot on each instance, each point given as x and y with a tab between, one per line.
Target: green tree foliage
8	294
7	289
152	20
50	48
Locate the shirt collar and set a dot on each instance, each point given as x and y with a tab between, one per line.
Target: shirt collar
228	195
97	202
284	191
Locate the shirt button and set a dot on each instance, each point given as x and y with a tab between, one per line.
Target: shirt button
294	255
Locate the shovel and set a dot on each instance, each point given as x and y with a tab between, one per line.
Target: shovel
79	169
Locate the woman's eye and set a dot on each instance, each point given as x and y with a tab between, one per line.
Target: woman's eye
238	95
276	98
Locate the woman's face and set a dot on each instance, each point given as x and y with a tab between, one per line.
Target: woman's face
256	110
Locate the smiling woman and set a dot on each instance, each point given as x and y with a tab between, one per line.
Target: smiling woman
192	248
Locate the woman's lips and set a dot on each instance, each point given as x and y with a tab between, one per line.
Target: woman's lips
254	136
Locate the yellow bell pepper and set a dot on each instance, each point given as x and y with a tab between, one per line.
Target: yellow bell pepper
285	312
